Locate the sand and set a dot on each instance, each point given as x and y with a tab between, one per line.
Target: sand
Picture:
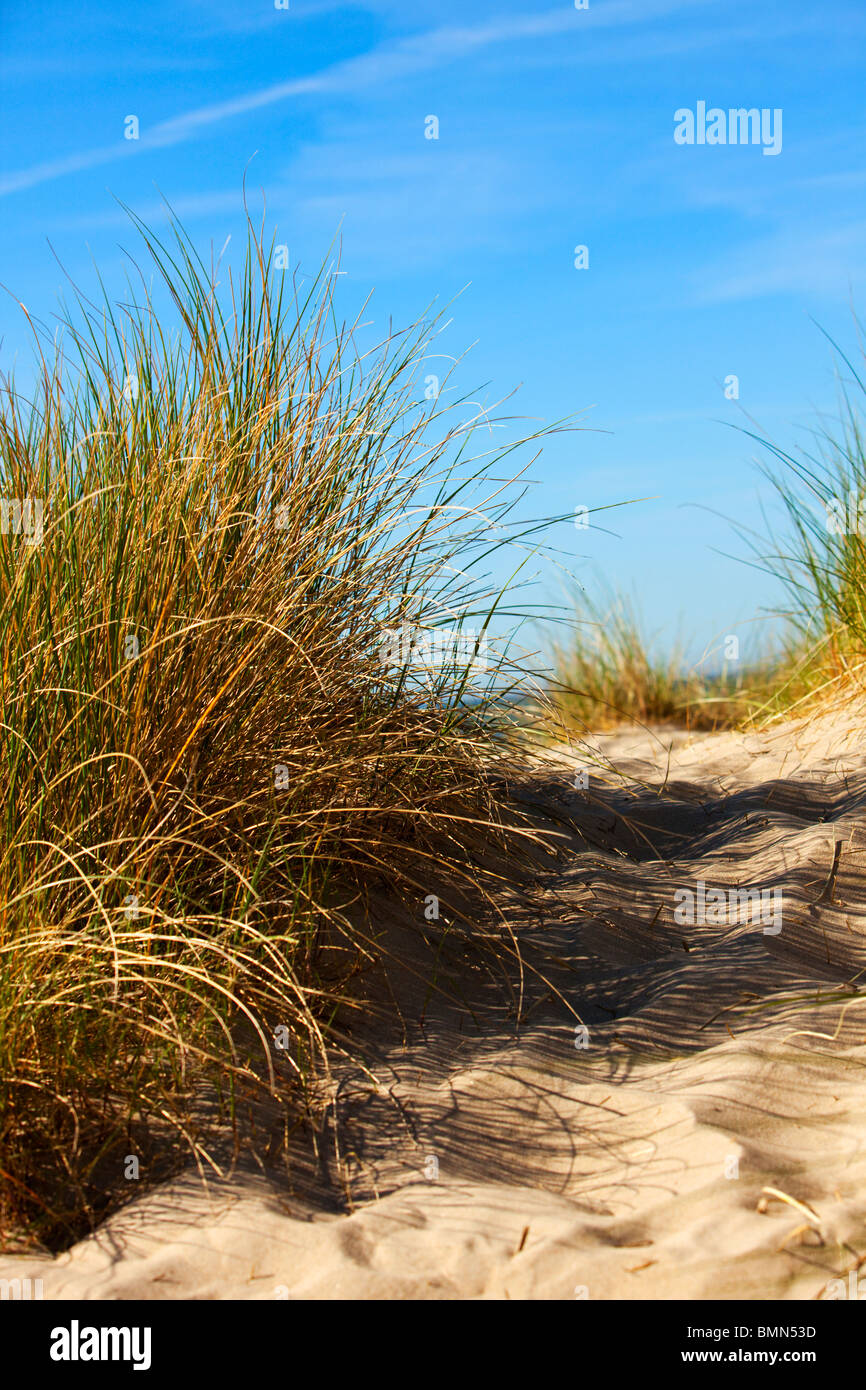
704	1138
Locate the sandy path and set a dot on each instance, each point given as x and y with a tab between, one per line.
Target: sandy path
501	1161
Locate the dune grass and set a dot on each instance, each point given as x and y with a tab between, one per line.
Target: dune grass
608	672
217	736
819	553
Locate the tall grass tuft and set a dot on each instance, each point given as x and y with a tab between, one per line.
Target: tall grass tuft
819	554
225	721
608	673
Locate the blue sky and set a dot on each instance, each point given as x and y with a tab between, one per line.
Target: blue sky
555	130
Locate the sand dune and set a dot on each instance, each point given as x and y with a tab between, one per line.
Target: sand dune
708	1141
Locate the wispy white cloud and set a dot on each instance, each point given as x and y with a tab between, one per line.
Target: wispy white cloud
803	260
391	61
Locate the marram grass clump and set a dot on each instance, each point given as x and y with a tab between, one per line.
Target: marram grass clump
818	552
607	675
210	753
